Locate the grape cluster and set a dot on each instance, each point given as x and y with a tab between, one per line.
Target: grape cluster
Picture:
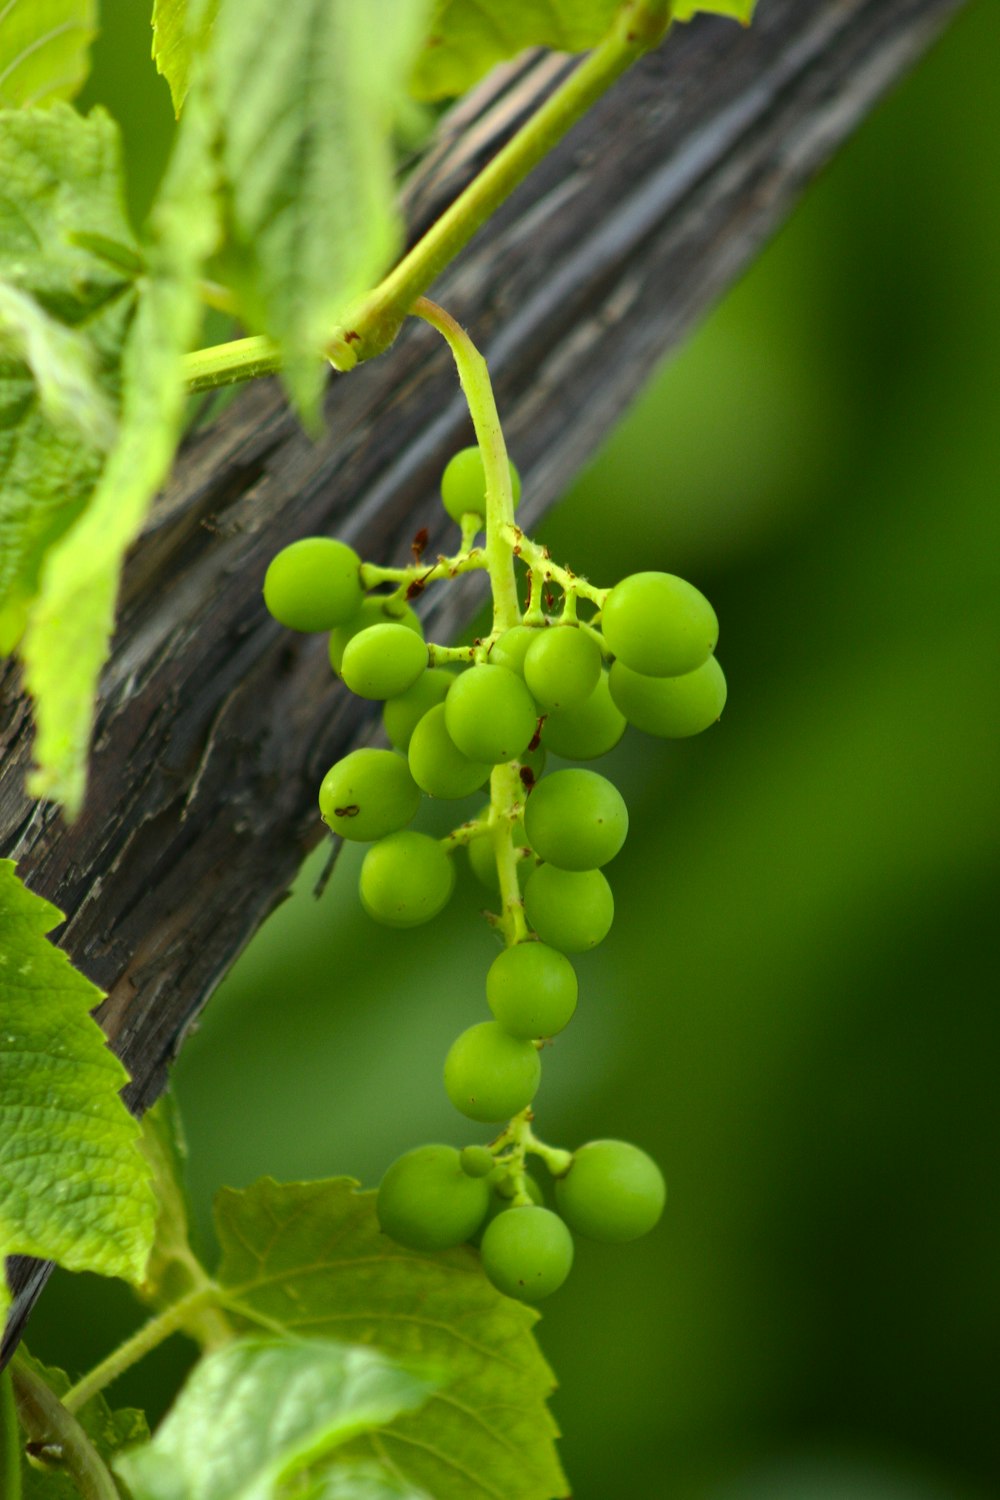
567	675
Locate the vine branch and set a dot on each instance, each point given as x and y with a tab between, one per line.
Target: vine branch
56	1434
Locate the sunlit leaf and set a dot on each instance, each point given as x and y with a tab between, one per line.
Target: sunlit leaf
178	36
260	1413
311	1259
468	37
64	315
61	366
740	10
73	1183
304	112
70	622
44	50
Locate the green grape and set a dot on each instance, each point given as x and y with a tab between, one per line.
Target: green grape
511	648
383	661
426	1201
612	1192
571	910
368	794
313	584
576	820
562	666
490	714
401	715
588	731
477	1161
659	624
527	1252
531	990
671	707
372	612
437	765
463	484
406	879
489	1075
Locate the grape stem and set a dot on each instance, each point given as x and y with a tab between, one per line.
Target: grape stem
184	1315
515	1143
544	570
505	783
465	833
467	561
475	380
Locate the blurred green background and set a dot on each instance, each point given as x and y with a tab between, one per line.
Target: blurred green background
796	1009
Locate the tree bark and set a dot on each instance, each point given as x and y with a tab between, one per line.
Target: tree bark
214	725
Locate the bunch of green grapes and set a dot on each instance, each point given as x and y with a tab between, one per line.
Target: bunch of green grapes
566	676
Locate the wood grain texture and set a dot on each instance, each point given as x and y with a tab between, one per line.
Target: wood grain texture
214	725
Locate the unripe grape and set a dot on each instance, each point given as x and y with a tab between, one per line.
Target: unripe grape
406	879
490	714
437	765
477	1161
426	1201
509	650
463	484
576	820
313	584
531	990
612	1192
659	624
562	666
570	910
671	707
588	731
373	611
401	715
527	1253
383	661
489	1075
368	794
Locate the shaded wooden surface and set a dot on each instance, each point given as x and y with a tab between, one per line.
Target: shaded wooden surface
215	726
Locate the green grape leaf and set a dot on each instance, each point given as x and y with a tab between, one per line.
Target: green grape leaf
304	113
173	1270
468	37
61	366
173	1267
78	580
64	315
180	33
740	10
109	1430
73	1184
260	1413
360	1481
44	50
311	1259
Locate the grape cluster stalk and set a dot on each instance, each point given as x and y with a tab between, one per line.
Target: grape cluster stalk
563	674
